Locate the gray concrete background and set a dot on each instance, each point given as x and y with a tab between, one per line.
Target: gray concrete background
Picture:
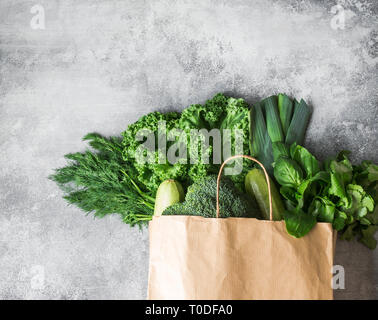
99	65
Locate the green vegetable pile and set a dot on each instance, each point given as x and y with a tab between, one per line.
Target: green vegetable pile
200	200
112	177
335	191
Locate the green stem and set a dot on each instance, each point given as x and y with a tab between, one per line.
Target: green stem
148	204
141	193
143	217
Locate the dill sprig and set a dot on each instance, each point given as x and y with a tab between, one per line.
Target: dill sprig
99	181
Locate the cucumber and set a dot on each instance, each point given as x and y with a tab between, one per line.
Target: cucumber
256	187
168	193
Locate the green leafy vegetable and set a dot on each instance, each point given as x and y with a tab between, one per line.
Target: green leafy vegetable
274	126
261	145
115	178
367	237
306	160
285	108
342	194
220	112
298	222
280	149
323	209
288	173
273	122
298	124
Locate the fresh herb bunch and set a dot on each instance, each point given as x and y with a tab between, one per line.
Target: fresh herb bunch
100	181
335	192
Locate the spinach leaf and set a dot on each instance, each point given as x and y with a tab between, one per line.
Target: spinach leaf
287	172
368	237
342	194
280	149
323	209
289	194
304	186
298	222
292	150
344	169
372	172
349	232
373	217
337	189
372	190
306	160
340	220
322	176
359	199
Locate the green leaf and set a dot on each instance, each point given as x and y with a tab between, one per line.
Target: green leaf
368	237
288	193
360	203
344	169
337	188
365	221
366	175
368	202
315	207
372	190
273	122
280	149
299	223
298	124
323	209
260	143
343	154
361	212
285	108
373	217
339	220
292	149
287	172
303	186
327	213
306	160
321	176
349	232
372	172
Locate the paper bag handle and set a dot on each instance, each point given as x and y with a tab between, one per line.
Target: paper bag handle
266	177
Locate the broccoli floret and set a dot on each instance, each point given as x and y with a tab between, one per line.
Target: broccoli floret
200	200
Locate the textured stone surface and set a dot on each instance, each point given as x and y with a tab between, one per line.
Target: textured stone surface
100	65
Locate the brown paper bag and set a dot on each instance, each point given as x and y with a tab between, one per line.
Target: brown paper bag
238	258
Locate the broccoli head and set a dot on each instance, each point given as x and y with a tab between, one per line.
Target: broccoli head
200	200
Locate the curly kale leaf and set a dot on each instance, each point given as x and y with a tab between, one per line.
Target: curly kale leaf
220	112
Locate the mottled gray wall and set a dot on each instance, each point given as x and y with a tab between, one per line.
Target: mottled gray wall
99	65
